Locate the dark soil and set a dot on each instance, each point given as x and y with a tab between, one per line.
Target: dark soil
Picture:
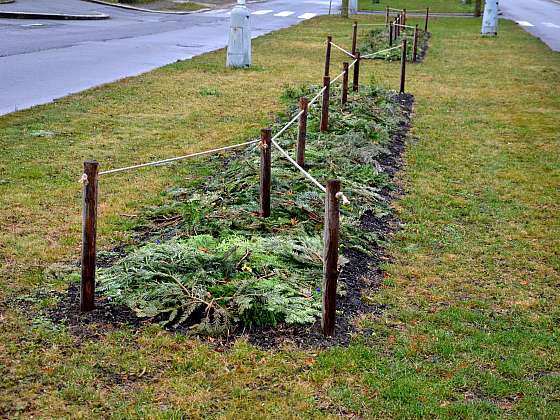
361	273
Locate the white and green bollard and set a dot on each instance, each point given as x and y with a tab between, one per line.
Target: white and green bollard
239	45
490	18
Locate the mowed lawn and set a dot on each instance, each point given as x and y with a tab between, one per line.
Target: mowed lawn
471	295
453	6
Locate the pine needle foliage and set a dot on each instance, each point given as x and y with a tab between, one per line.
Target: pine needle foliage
222	266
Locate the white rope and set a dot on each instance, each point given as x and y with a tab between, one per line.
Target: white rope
316	96
175	159
348	53
381	51
288	124
403	26
352	63
336	78
304	172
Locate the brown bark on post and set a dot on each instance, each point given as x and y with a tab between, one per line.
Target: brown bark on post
477	4
356	79
354	37
386	15
265	178
404	17
328	56
89	236
325	107
415	44
344	98
391	34
302	131
426	20
403	65
330	257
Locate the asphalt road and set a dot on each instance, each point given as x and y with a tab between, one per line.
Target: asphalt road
541	18
41	60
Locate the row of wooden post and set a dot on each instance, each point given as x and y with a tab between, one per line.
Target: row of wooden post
332	210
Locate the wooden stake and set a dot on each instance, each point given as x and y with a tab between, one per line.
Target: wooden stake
404	17
426	20
415	44
391	34
403	65
328	56
356	79
325	107
89	235
266	146
386	15
330	257
302	131
354	37
344	98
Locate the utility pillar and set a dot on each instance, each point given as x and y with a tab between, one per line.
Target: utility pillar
239	44
490	18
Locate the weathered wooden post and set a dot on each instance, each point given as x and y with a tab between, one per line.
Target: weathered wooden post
328	56
426	19
302	131
386	15
477	8
391	34
265	178
354	37
325	106
415	44
356	79
89	235
330	257
403	65
404	17
344	98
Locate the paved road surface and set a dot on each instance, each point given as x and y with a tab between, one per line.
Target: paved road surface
539	17
41	60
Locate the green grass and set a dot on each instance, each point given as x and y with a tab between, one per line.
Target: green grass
471	323
434	5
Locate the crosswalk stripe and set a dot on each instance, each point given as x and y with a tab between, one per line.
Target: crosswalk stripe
524	23
285	13
551	25
307	15
262	12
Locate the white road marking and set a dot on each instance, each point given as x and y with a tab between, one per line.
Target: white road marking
262	12
307	15
551	25
524	23
285	13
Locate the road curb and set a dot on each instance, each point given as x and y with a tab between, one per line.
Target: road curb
51	16
140	9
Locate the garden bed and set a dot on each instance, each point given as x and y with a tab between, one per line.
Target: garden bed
205	263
